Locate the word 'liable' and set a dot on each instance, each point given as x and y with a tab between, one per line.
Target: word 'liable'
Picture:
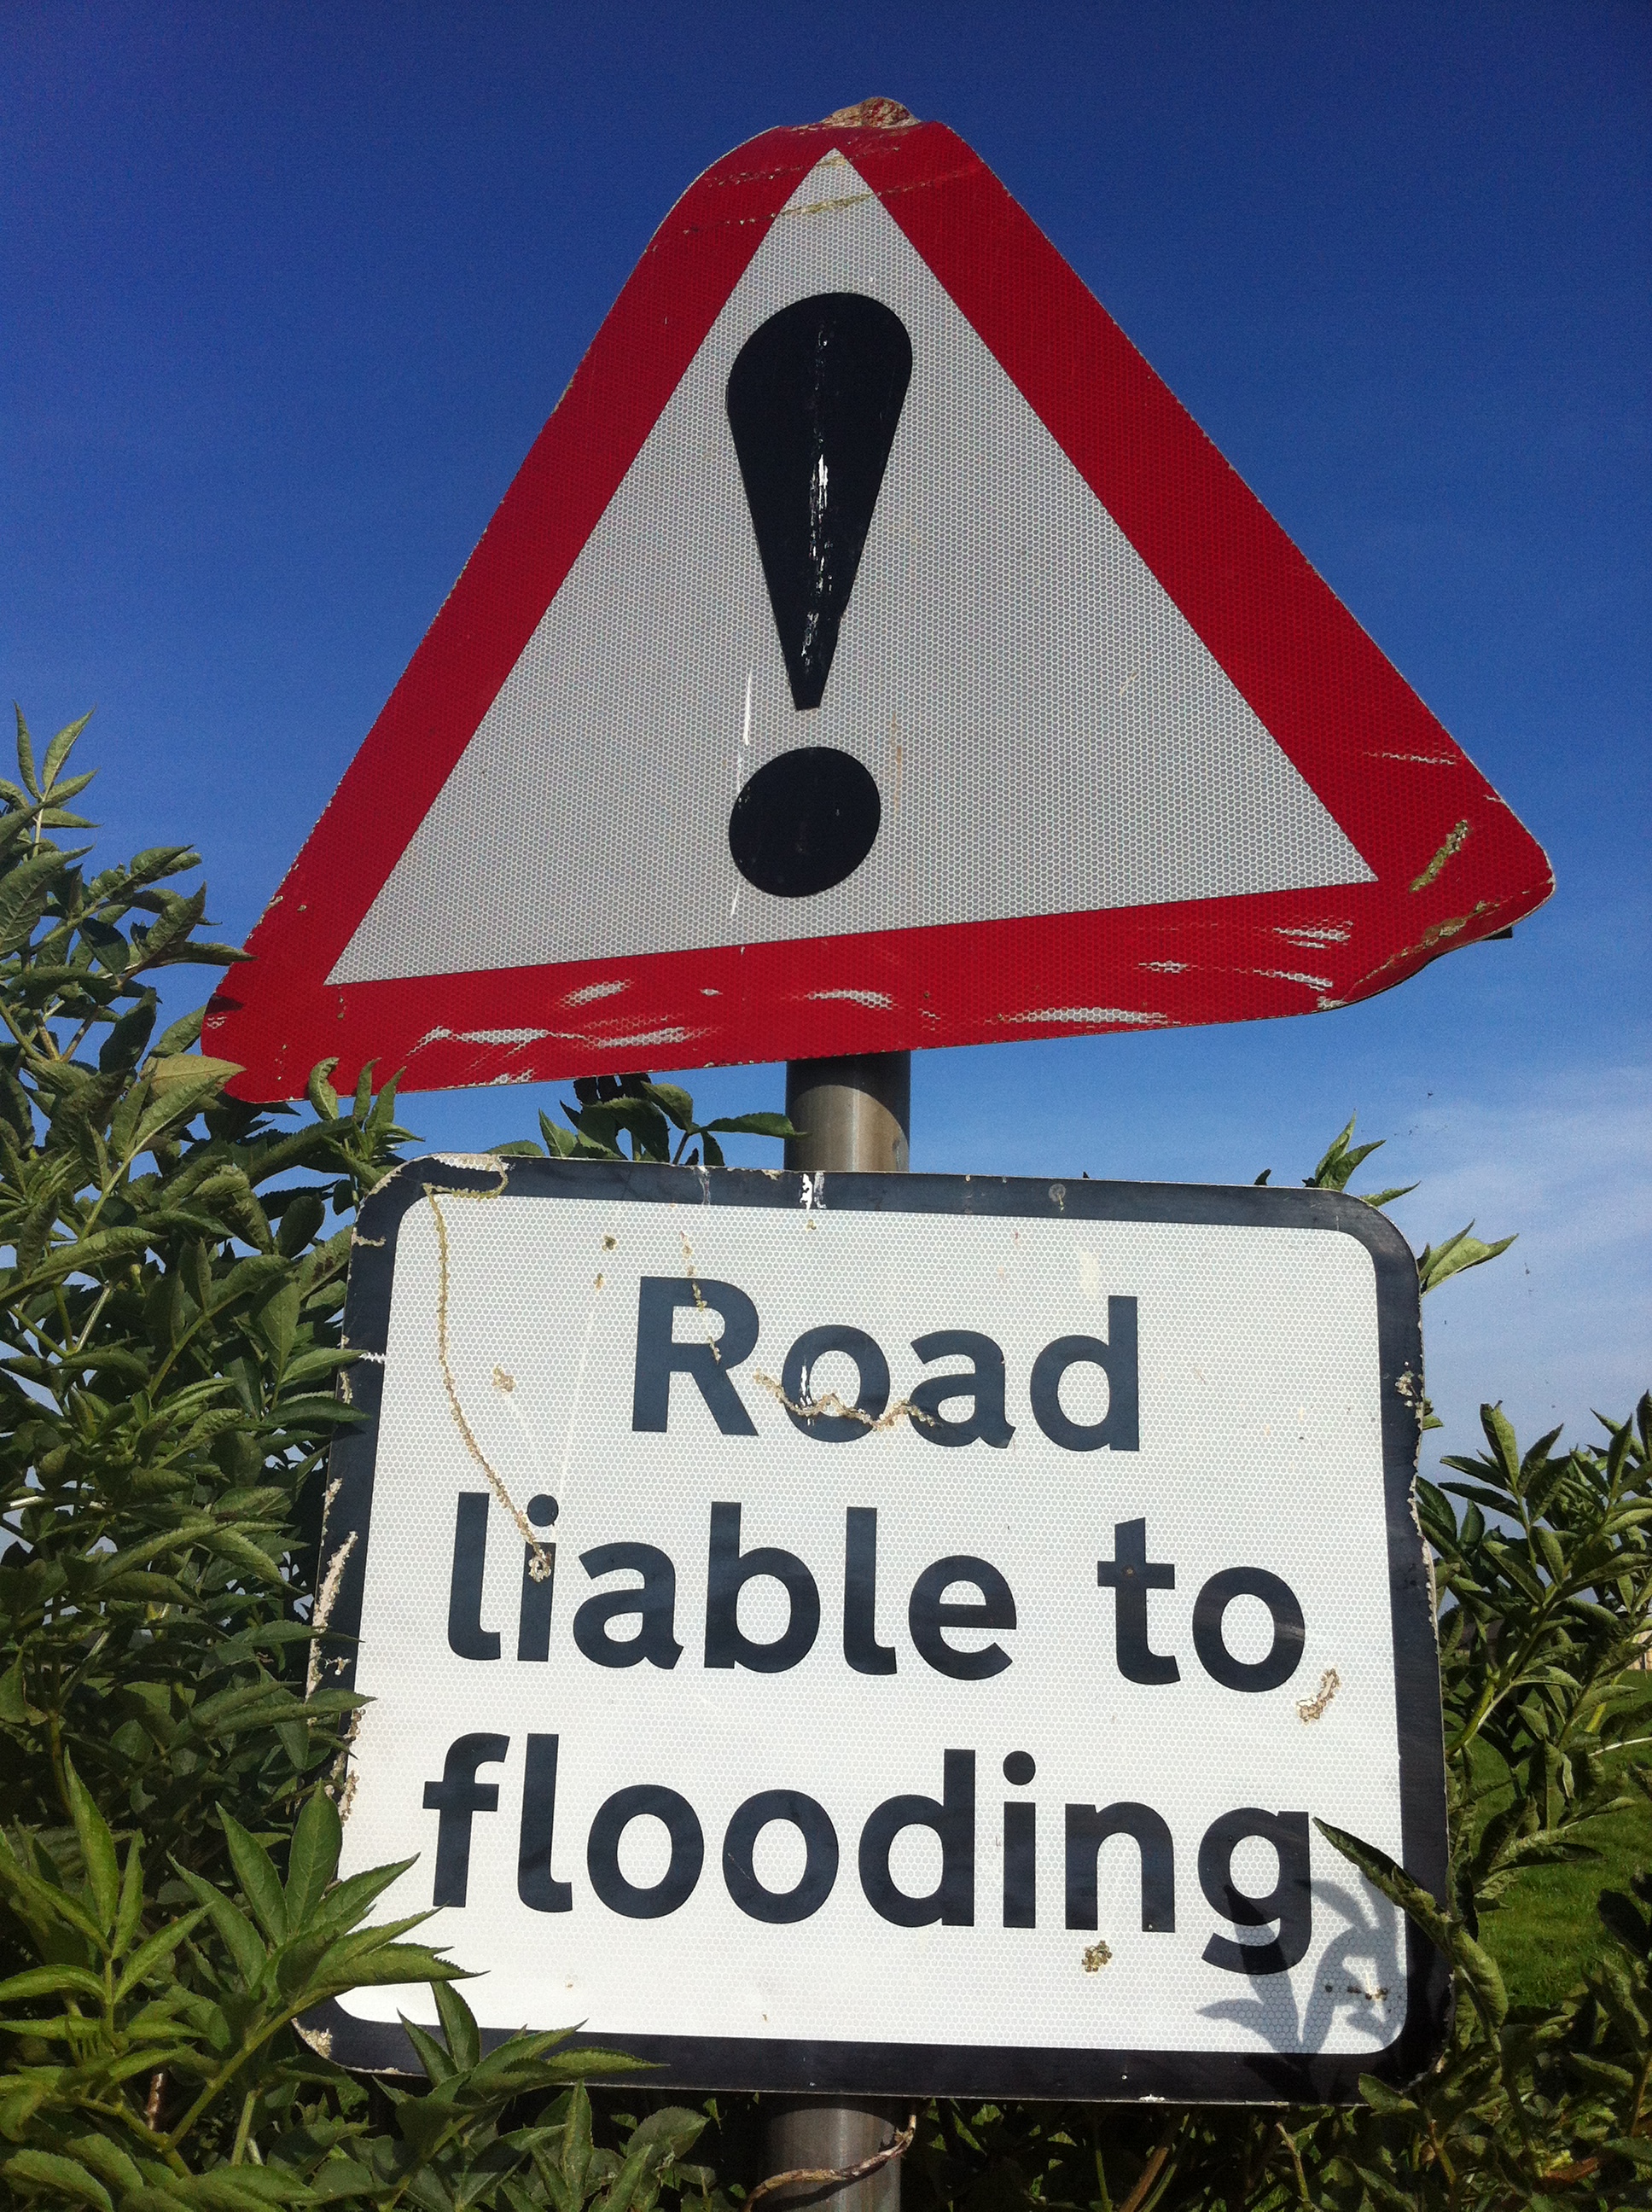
651	1603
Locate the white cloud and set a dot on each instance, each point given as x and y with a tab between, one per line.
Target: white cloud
1563	1322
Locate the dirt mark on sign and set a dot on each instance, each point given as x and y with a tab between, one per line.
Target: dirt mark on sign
540	1565
832	1407
1310	1709
1456	838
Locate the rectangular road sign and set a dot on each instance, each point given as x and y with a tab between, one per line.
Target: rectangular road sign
892	1633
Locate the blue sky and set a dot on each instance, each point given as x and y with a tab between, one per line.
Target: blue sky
289	292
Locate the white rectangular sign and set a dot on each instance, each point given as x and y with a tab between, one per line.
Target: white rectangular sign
893	1633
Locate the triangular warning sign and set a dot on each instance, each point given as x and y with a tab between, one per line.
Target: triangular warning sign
870	652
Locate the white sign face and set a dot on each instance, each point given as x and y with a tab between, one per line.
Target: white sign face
893	1633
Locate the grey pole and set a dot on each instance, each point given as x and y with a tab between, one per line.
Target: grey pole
806	2135
855	1114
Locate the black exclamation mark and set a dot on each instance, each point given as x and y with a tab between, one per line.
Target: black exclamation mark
813	401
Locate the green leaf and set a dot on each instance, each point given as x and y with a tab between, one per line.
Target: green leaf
1393	1883
46	2169
346	1958
255	1872
52	1981
312	1859
576	2141
1381	2099
675	2126
240	1552
341	2181
459	2026
184	1033
132	1900
275	1321
59	750
13	1704
647	1127
1438	1264
46	1902
107	2160
1340	1160
97	1850
1379	1199
433	2057
26	755
319	1092
23	894
1474	1964
235	1931
1500	1435
154	1951
344	1906
152	865
86	1253
393	1962
1554	1558
1614	2078
622	2189
562	2197
1385	2192
674	1103
752	1125
123	1046
559	1142
177	1077
423	2122
246	2189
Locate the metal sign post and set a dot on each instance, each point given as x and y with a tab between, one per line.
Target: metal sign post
853	1113
846	2157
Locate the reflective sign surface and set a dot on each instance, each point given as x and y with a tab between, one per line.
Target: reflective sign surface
893	1633
870	653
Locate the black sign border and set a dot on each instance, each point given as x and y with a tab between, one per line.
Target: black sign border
920	2069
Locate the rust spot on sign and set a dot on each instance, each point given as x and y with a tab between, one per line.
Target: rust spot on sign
874	114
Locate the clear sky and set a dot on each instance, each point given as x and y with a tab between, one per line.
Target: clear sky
289	290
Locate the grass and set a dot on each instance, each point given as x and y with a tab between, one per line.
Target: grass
1548	1931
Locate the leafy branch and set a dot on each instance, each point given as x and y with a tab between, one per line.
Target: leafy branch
608	1106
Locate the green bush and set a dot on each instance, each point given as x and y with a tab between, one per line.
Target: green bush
169	1900
171	1310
